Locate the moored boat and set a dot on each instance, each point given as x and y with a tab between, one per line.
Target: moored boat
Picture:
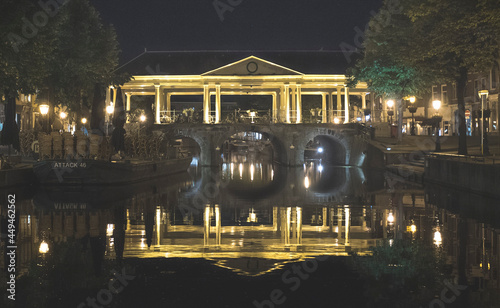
97	172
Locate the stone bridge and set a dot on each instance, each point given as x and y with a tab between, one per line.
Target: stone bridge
344	144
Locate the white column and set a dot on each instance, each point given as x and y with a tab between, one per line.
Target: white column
339	223
331	115
218	229
206	104
287	103
325	216
275	218
299	225
294	104
206	228
346	103
323	108
339	101
168	108
299	104
274	115
363	101
114	94
108	96
347	225
127	105
217	104
157	103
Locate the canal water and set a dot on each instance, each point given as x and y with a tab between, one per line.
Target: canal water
253	234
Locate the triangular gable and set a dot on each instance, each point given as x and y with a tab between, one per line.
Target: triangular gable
251	66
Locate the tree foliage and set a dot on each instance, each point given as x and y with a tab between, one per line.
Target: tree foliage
63	50
412	44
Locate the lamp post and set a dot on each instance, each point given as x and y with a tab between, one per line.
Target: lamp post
84	121
390	112
44	110
485	150
109	110
63	116
142	119
412	110
437	104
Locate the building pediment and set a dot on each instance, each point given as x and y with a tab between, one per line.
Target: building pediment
251	66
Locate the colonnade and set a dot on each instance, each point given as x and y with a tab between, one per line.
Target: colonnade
286	101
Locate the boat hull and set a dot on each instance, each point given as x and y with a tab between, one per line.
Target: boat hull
94	172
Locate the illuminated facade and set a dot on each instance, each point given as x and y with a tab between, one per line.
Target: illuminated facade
250	75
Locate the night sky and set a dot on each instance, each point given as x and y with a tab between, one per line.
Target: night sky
172	25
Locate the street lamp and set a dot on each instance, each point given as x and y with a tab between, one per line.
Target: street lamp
63	116
142	118
109	110
412	108
44	110
390	112
84	121
437	104
44	247
485	150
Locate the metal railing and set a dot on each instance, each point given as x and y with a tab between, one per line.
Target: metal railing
253	116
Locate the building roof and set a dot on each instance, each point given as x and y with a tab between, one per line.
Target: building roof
201	62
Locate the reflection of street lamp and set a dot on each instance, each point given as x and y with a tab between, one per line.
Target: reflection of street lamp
485	150
412	110
44	110
437	104
390	112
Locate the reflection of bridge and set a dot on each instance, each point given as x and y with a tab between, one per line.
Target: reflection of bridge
346	144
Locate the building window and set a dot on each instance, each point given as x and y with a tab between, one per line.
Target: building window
476	88
435	93
444	94
483	84
494	75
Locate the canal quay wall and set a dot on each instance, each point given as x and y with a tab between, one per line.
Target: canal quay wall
475	174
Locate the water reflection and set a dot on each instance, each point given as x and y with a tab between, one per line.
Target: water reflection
254	218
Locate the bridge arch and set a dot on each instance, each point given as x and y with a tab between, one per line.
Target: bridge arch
335	147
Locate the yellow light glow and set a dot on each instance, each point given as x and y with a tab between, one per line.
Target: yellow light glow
44	109
412	99
438	240
306	182
110	109
63	115
436	104
483	93
84	120
252	172
142	118
413	228
336	120
44	247
390	218
390	103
